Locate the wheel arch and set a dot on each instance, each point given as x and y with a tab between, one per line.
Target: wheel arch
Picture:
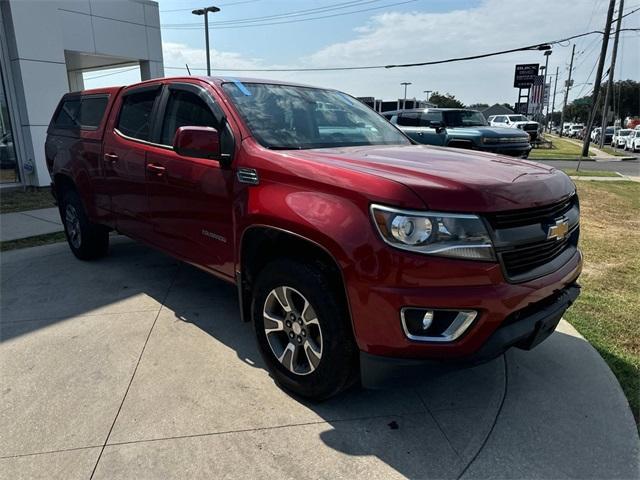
260	244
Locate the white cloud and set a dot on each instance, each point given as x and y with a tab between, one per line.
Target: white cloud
395	37
179	54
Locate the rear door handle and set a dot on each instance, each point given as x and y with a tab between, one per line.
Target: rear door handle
157	170
111	157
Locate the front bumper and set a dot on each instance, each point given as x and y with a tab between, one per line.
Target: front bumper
523	329
521	151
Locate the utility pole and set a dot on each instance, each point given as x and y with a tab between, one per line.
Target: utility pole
555	86
404	101
598	81
205	12
544	86
614	53
566	90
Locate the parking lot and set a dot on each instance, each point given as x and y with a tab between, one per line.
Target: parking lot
137	366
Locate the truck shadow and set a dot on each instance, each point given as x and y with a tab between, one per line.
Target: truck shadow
432	428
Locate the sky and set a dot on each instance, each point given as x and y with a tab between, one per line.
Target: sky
381	32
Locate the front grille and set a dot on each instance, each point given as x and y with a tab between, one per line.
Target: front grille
529	216
522	259
531	126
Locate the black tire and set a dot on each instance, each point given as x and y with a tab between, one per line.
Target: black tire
337	369
87	240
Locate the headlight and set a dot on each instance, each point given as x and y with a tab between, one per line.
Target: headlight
443	234
490	140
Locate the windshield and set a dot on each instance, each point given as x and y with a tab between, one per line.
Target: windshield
288	117
624	133
518	118
609	130
463	118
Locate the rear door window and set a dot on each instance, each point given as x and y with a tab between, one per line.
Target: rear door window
66	117
135	114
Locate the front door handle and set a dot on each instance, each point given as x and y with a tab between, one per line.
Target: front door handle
111	157
157	170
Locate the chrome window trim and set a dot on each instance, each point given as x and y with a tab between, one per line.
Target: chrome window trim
139	140
460	324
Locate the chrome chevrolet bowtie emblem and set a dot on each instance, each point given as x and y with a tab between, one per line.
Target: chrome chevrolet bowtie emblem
559	230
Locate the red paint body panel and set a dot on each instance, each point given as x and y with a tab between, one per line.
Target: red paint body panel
197	210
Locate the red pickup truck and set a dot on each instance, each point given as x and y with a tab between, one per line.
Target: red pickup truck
357	254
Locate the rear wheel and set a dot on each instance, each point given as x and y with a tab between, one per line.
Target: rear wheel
86	240
303	330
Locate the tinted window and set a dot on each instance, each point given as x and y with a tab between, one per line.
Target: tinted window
66	117
81	112
409	119
185	109
429	117
91	111
135	114
463	118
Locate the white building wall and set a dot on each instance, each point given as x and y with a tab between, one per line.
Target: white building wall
106	33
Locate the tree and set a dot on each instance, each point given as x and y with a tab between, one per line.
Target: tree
625	102
478	106
445	101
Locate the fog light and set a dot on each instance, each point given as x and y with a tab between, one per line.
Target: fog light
427	320
432	325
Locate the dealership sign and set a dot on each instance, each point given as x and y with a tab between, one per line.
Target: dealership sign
525	75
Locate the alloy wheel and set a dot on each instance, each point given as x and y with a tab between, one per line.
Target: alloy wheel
72	222
293	331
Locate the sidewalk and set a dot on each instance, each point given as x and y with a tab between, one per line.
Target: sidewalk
31	223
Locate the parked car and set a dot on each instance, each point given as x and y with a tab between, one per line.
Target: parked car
619	139
516	121
608	135
575	130
459	128
633	141
354	252
595	134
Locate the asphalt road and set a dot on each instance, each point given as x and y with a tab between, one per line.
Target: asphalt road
625	167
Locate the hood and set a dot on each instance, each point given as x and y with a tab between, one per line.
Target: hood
487	131
454	180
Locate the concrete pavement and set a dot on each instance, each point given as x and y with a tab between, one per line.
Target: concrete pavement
30	223
137	366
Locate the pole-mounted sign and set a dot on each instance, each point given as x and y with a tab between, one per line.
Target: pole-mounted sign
525	75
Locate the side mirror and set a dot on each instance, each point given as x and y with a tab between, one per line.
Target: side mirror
439	126
198	142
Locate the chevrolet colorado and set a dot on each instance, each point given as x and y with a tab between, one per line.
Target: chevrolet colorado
356	253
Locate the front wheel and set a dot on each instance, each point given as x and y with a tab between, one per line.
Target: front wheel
303	329
86	240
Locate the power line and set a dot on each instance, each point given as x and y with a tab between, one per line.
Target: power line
224	27
307	11
223	5
537	46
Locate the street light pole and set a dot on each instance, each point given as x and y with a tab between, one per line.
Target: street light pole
427	92
205	11
404	101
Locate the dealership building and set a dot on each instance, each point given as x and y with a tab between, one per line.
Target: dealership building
45	47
